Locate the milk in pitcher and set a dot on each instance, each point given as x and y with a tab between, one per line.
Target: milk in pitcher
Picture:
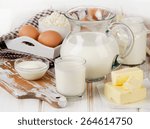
98	57
138	52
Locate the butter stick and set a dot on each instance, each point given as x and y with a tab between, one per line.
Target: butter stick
119	77
119	95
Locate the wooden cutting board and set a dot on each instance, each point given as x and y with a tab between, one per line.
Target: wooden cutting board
43	89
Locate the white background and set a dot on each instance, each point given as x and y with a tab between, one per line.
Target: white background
10	120
15	12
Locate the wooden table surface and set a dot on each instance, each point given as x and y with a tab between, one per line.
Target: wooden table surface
90	102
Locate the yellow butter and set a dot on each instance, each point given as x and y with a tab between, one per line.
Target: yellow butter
133	83
120	95
119	77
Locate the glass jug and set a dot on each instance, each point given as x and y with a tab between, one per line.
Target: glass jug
95	37
138	54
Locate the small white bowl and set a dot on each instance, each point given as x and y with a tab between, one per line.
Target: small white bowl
31	68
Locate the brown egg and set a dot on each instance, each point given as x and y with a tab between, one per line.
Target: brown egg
85	19
50	38
92	12
83	28
30	31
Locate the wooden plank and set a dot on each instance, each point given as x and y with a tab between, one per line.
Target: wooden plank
43	89
144	110
97	103
76	105
106	109
8	103
72	106
29	105
80	104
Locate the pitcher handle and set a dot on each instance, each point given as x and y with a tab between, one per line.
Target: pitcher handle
115	29
147	48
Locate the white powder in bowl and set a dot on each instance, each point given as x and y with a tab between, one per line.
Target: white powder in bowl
31	70
56	22
56	19
31	65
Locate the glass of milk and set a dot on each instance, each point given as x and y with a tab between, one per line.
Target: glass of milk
70	76
138	53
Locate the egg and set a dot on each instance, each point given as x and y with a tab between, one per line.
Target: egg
85	28
29	30
50	38
85	19
94	14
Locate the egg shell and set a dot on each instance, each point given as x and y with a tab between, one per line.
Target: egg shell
50	38
85	19
29	30
92	13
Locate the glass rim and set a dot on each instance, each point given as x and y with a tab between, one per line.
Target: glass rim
78	59
67	14
44	60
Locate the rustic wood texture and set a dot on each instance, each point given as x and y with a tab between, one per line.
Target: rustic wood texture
91	101
43	89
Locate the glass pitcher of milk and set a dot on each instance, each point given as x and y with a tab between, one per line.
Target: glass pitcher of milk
95	37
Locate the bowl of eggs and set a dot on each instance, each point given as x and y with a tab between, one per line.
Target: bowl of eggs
45	40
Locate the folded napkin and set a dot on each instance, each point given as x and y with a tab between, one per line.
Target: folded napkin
8	54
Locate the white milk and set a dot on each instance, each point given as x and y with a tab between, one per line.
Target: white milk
98	50
138	53
70	78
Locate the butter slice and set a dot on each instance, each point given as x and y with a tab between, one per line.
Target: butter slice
120	95
132	83
119	77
